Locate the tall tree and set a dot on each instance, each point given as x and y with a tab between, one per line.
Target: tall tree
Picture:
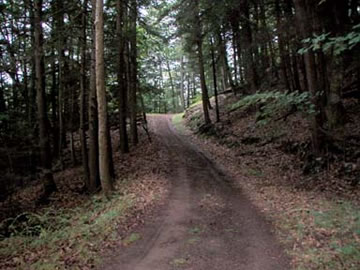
59	17
46	158
104	162
250	69
199	47
133	72
215	80
94	180
83	90
121	75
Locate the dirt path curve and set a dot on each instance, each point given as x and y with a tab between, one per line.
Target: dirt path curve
206	224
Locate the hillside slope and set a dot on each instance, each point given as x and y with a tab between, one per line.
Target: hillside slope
313	202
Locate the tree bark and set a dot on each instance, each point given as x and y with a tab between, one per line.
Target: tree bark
283	66
199	41
250	69
182	86
215	81
121	69
83	90
46	158
54	108
133	73
105	174
60	50
94	181
2	96
305	29
173	94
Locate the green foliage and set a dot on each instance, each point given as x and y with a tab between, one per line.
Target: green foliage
4	117
326	43
196	100
132	238
178	122
274	103
343	221
179	262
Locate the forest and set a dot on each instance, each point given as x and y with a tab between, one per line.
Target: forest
86	90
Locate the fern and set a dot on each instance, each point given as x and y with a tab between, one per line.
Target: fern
272	104
326	43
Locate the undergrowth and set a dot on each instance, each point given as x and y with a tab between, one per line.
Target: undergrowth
271	104
67	238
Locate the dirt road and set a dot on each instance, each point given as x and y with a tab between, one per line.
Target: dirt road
205	224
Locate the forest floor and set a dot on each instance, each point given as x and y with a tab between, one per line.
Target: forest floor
206	222
76	228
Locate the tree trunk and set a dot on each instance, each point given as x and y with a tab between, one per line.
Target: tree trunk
188	91
94	181
283	66
72	124
60	50
46	161
54	109
104	162
194	85
173	94
133	67
215	81
250	68
121	69
2	96
305	29
182	86
32	88
235	58
83	90
224	63
199	41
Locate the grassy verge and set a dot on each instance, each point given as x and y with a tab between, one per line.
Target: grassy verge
66	239
177	121
323	235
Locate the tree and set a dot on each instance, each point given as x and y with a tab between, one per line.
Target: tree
94	181
104	162
46	159
199	41
83	90
121	75
133	72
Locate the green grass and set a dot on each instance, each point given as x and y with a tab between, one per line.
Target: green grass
196	101
330	236
177	121
75	236
255	172
196	230
179	262
195	104
132	238
193	240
